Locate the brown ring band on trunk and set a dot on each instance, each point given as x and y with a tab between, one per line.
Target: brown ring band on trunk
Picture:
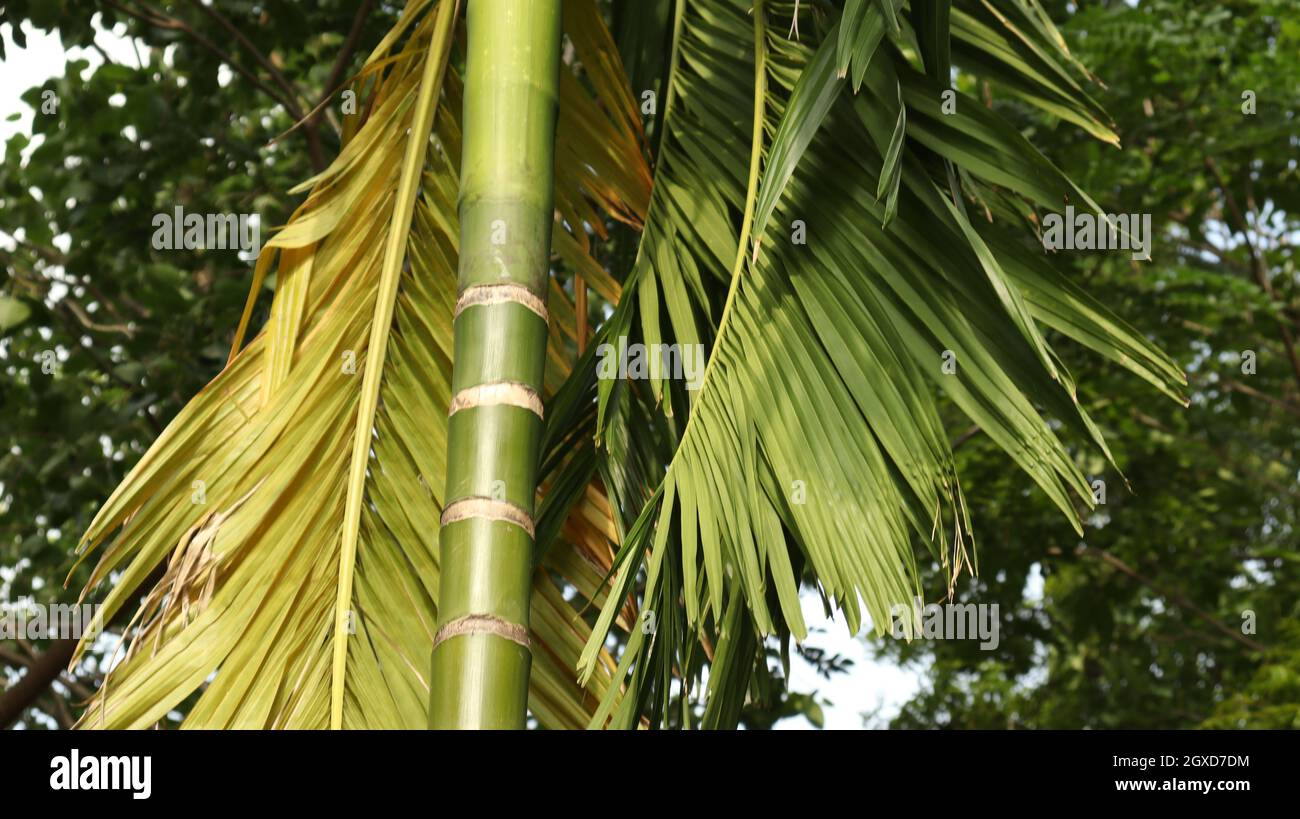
483	624
476	508
495	394
487	294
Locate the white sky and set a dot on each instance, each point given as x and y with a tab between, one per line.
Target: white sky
868	685
45	57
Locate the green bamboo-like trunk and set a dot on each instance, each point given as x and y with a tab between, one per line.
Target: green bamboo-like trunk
481	655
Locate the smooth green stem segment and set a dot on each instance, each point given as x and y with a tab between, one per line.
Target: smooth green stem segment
480	656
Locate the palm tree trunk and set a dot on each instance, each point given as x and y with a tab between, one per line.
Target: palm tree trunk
481	655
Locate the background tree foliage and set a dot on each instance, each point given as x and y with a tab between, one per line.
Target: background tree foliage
1138	624
136	331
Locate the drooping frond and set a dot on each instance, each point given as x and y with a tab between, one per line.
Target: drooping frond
854	239
294	503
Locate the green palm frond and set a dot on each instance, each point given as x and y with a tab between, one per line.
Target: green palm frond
815	442
295	502
853	242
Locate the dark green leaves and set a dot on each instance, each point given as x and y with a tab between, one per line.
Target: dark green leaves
815	447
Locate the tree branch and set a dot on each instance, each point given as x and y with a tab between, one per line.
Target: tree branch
240	37
335	81
159	19
41	672
970	432
44	668
292	92
1256	263
1237	386
1178	599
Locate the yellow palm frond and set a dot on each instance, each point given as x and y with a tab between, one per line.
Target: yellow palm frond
295	501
